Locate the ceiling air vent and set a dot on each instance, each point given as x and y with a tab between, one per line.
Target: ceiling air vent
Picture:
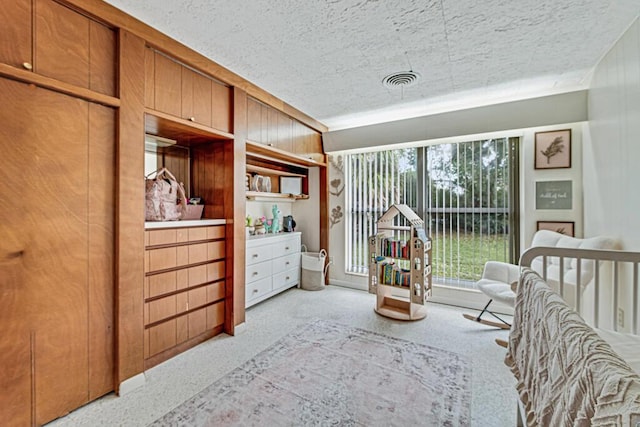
401	79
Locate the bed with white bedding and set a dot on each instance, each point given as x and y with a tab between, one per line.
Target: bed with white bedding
572	372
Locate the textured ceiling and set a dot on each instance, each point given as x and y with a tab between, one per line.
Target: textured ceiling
327	58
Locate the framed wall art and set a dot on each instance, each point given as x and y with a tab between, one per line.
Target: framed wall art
553	149
554	195
563	227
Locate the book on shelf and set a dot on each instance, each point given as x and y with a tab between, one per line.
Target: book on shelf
394	248
392	275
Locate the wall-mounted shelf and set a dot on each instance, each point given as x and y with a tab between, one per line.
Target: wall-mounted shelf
275	164
262	150
260	196
187	132
268	171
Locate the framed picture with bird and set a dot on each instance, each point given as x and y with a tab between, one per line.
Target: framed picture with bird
553	149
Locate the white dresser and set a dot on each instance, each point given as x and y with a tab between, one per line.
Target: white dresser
272	265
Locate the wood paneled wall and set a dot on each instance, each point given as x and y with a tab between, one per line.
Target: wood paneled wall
130	210
117	79
236	203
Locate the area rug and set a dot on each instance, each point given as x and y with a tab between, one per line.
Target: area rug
326	373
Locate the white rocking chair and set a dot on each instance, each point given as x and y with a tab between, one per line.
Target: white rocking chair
500	279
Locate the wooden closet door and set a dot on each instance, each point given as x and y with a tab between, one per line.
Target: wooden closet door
46	224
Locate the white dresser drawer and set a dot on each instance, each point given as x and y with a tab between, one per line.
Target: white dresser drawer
286	278
285	263
286	247
257	289
257	254
258	271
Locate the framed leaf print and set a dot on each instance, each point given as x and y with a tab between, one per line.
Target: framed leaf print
562	227
553	149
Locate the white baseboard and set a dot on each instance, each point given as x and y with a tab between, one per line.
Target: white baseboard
467	298
131	384
238	329
346	284
458	297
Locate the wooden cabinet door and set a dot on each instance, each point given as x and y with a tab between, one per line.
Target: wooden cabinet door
222	107
15	33
49	222
168	85
57	42
196	97
61	43
149	78
254	120
272	126
284	133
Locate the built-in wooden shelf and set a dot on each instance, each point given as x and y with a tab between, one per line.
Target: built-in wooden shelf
185	131
264	196
268	171
271	153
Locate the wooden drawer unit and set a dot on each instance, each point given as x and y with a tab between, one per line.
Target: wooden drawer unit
272	265
184	289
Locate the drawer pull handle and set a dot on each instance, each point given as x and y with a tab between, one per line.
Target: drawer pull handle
27	66
286	248
255	291
287	263
255	273
287	278
192	119
255	255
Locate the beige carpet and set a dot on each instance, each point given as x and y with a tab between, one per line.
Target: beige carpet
326	373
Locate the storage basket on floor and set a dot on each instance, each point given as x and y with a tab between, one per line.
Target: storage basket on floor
313	270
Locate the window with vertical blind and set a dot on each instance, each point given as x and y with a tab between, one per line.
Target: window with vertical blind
375	181
464	191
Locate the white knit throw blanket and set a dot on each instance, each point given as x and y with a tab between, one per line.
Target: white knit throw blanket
566	374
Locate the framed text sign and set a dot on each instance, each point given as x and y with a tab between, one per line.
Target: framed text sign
553	195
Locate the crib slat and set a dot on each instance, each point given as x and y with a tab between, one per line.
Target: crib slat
615	296
635	302
578	284
561	276
596	295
